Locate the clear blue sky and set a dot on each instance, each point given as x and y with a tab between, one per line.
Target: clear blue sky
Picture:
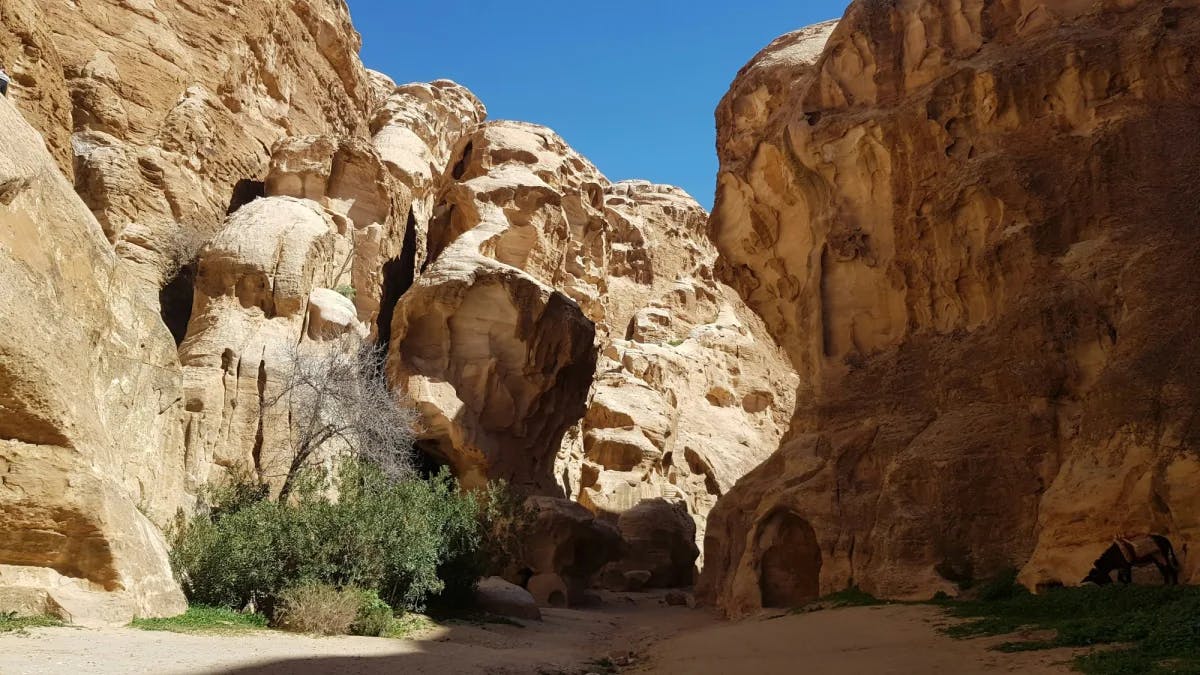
632	84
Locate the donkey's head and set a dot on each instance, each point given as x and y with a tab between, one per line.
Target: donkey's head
1095	576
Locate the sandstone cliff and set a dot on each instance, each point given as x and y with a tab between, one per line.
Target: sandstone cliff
972	226
242	186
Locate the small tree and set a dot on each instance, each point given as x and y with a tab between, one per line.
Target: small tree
336	398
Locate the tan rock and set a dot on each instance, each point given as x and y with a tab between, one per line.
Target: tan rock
164	113
634	258
90	436
962	223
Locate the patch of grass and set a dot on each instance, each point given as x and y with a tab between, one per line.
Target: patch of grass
11	623
200	619
1152	629
409	624
346	291
852	597
475	618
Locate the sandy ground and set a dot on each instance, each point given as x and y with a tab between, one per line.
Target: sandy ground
641	634
891	639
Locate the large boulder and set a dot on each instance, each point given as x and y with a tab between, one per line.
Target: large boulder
971	226
497	596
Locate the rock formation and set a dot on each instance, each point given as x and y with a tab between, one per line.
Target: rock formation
89	407
536	262
247	190
972	226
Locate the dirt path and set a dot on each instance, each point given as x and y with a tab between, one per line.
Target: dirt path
640	634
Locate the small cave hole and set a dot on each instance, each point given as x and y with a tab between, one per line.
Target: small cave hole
244	192
427	458
175	301
556	599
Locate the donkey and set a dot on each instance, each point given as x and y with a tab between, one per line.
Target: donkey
1125	553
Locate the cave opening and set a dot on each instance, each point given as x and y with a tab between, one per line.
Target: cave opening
427	458
244	192
175	301
398	276
790	572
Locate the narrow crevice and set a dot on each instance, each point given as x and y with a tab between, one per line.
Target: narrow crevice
398	276
175	301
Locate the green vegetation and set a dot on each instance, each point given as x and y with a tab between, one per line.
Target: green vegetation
11	623
201	619
1141	629
406	625
851	597
314	564
346	291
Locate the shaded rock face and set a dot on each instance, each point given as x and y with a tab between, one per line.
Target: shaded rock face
970	225
90	433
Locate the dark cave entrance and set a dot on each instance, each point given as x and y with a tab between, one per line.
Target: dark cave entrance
398	275
790	572
175	301
427	458
244	192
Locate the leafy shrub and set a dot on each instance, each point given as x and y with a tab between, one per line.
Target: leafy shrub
318	609
409	540
374	618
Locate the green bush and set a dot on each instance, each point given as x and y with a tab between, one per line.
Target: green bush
409	540
374	618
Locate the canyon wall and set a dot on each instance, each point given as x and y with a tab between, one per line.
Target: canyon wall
245	190
973	227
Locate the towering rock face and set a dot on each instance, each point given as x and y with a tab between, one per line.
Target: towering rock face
164	115
90	434
549	295
972	226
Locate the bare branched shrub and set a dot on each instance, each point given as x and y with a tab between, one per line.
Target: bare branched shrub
337	400
318	609
181	248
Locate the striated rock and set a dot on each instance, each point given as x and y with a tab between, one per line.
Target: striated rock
969	226
90	438
497	596
165	113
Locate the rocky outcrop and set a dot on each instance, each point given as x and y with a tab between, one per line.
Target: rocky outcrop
679	389
971	226
91	449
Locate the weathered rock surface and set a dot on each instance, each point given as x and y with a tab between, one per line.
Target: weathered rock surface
972	225
687	393
90	437
165	113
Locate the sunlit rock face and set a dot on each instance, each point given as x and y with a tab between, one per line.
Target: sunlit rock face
165	113
972	226
91	445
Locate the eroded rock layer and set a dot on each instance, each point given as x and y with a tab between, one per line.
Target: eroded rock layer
567	334
972	225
